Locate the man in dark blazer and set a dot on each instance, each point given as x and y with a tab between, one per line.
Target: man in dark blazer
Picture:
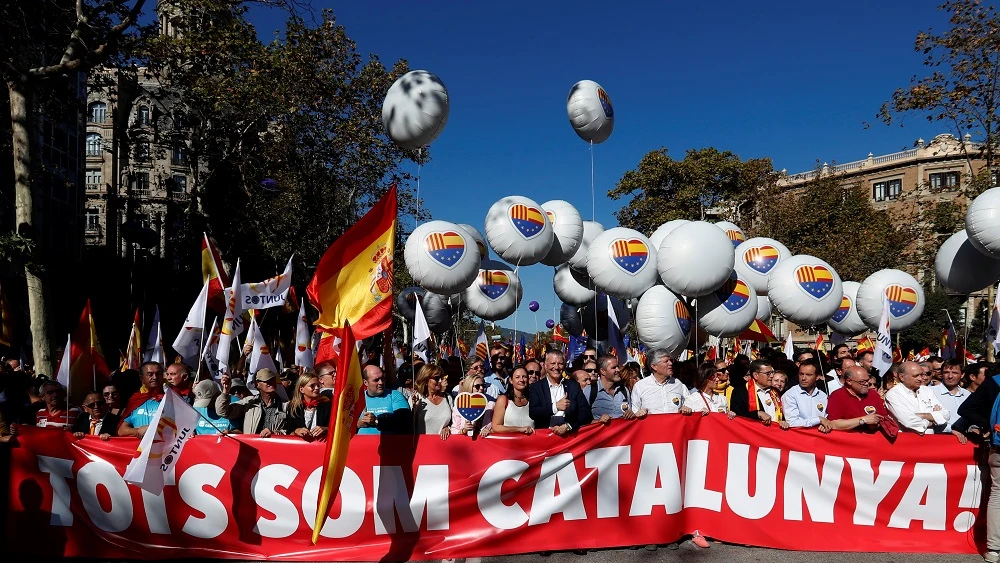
557	403
99	421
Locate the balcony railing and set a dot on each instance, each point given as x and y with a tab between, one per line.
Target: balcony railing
94	187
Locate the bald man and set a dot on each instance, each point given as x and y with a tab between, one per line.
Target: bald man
854	407
915	406
386	411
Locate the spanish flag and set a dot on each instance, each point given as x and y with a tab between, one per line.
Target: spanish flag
133	352
87	366
353	282
214	273
347	407
758	332
866	344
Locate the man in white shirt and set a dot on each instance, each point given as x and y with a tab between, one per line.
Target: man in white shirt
916	407
835	377
557	403
661	392
951	395
804	405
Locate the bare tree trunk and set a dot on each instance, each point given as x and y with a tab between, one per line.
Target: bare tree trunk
23	128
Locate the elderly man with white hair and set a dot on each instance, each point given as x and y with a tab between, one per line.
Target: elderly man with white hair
915	406
661	392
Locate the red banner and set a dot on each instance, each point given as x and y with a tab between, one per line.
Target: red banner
401	498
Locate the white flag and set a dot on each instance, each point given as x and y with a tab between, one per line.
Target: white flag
789	347
189	339
165	437
260	354
421	333
271	292
278	359
303	350
232	324
994	335
211	351
154	344
685	356
62	376
883	343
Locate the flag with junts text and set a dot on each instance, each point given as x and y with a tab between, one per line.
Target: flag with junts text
170	429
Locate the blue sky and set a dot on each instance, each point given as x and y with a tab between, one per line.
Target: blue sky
794	81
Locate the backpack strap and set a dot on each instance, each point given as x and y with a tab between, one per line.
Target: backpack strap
593	391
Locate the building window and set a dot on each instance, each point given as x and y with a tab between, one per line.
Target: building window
94	142
944	181
179	121
94	179
143	115
179	184
142	184
179	156
97	112
93	217
888	189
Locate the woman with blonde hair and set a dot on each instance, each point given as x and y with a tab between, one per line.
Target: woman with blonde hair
308	411
432	404
483	425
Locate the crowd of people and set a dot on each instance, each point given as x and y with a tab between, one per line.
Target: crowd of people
839	391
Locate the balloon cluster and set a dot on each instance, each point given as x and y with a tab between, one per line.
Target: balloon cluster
685	276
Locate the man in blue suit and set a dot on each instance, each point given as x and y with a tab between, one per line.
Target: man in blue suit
557	403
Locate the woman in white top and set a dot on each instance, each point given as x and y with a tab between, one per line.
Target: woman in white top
510	414
703	398
432	405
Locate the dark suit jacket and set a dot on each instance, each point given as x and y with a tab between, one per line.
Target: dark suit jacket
739	402
109	426
540	404
294	421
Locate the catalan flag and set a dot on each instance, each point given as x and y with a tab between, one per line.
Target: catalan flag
214	273
353	282
817	281
902	300
493	283
482	345
470	406
446	247
348	402
529	221
631	255
761	259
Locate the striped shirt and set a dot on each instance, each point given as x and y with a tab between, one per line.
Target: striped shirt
58	419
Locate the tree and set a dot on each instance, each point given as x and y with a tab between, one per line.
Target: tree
46	44
663	189
926	332
963	88
836	223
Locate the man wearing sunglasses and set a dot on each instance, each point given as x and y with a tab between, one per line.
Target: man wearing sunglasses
99	420
758	401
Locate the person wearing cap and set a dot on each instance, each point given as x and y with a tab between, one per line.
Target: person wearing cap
238	390
206	401
262	414
287	379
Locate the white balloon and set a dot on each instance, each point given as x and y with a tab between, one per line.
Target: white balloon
663	230
906	299
518	231
805	290
732	231
756	259
622	262
437	312
982	222
763	308
729	310
569	290
441	257
582	278
590	112
484	251
496	293
415	109
663	320
695	259
567	231
591	229
962	268
846	319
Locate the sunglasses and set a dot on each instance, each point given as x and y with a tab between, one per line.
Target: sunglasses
95	405
590	356
437	377
479	386
533	372
590	370
111	394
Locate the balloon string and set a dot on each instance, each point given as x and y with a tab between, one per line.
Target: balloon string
593	217
420	156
